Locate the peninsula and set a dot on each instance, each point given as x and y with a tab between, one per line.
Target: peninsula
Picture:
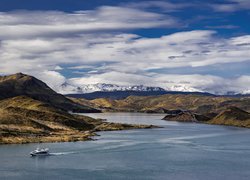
32	112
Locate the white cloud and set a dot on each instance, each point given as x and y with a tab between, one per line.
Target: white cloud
231	6
166	6
112	78
41	43
52	78
223	27
31	24
127	57
58	68
174	82
81	67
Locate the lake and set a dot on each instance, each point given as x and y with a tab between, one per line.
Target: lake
178	151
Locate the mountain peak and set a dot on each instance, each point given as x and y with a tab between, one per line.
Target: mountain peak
21	84
104	87
13	76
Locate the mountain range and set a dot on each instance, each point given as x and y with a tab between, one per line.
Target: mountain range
114	91
103	87
30	111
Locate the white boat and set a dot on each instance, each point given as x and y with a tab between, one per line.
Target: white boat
40	152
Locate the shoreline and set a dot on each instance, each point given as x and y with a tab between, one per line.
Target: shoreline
72	136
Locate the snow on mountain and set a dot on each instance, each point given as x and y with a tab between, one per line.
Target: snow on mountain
67	88
183	88
246	91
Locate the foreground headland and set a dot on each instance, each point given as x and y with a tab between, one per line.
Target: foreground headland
32	112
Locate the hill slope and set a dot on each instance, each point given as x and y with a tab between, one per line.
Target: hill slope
21	84
117	95
23	120
232	116
198	103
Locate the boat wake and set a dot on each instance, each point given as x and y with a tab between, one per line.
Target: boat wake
62	153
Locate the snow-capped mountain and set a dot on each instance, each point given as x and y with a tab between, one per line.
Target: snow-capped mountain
246	91
183	88
67	88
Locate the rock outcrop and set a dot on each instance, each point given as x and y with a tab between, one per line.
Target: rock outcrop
185	116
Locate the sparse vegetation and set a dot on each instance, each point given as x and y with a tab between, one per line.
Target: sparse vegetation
198	103
198	108
232	116
31	112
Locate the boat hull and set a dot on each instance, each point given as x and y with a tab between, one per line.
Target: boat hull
39	154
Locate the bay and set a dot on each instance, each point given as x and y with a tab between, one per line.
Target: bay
177	151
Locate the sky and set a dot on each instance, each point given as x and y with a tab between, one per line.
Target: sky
196	45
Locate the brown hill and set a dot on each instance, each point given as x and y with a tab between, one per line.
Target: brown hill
183	108
232	116
21	84
160	104
23	119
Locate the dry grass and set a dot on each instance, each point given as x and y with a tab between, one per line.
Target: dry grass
232	117
154	103
24	120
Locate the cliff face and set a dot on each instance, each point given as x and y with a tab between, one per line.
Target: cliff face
21	84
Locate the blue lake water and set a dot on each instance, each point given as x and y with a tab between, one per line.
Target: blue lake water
178	151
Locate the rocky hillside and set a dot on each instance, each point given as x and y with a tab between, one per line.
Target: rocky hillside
21	84
232	116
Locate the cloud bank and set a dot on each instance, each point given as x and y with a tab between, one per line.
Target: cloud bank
92	47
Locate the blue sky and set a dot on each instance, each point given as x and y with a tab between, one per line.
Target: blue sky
178	45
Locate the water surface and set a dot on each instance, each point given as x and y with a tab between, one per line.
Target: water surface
176	152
